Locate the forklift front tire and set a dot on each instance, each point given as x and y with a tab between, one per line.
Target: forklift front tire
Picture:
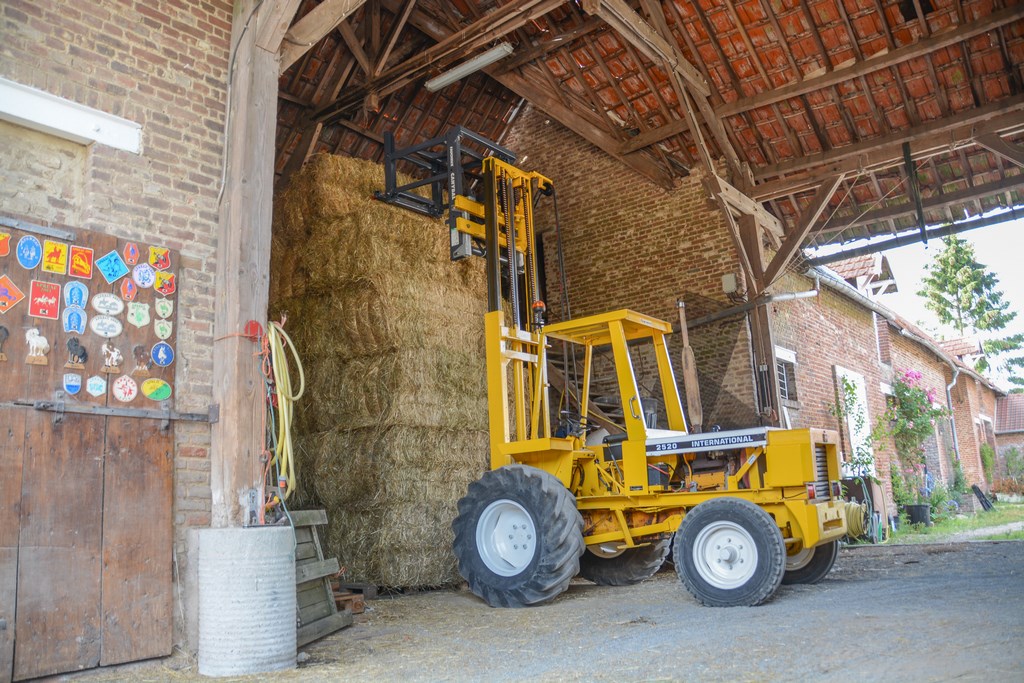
625	568
810	565
729	553
518	537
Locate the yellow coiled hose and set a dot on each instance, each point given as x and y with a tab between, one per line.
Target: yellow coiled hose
856	514
284	459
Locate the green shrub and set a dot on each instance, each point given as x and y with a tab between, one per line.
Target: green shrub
959	487
988	460
1014	463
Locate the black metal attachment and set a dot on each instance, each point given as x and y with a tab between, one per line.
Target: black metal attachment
450	162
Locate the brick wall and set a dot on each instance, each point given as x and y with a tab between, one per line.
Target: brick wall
162	65
631	244
826	331
910	355
972	400
1005	443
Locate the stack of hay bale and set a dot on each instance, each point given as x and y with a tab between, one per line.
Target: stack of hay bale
393	425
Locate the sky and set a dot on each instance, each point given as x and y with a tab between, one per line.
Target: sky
998	247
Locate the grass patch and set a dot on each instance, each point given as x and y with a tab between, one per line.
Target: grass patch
1004	513
1005	536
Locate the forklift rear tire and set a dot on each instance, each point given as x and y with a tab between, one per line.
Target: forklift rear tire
518	537
729	553
810	565
630	566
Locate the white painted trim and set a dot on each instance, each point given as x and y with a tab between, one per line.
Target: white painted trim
785	355
885	388
48	113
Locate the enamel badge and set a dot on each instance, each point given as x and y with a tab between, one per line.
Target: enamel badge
144	275
142	361
76	294
162	354
106	326
131	253
156	389
112	267
164	307
30	252
124	389
44	300
38	347
72	383
107	304
80	262
160	258
164	283
138	314
112	358
129	290
77	355
163	329
5	243
55	257
96	386
74	319
10	295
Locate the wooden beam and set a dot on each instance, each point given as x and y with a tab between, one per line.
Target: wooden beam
243	266
1001	116
355	46
795	239
310	29
393	33
745	205
587	129
275	16
543	47
1004	148
495	24
645	38
934	203
526	84
882	60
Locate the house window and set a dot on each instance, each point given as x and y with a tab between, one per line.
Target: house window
785	373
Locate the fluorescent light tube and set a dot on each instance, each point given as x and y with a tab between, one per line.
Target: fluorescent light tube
459	72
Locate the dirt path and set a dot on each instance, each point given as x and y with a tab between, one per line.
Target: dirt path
980	533
885	613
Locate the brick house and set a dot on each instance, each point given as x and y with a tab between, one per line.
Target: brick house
1009	428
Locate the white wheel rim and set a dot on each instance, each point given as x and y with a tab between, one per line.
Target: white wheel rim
724	555
607	550
506	537
799	559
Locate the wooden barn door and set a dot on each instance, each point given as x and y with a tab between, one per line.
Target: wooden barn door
86	497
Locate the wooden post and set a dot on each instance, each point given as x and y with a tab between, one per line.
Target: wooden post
243	256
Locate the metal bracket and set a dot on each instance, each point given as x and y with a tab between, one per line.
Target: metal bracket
46	231
165	414
58	400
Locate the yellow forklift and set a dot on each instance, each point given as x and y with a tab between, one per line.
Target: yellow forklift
743	510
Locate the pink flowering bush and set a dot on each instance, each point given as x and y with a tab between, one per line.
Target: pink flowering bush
912	417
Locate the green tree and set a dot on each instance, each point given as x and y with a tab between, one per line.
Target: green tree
964	294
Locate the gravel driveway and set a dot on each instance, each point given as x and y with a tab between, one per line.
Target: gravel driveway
938	612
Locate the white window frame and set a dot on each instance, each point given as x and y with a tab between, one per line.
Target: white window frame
63	118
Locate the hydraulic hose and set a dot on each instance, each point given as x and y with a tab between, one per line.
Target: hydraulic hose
280	343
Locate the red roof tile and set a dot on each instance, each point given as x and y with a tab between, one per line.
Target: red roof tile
964	346
1010	413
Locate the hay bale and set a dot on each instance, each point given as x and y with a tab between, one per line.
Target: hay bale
392	429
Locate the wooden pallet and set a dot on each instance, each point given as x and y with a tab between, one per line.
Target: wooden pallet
318	611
